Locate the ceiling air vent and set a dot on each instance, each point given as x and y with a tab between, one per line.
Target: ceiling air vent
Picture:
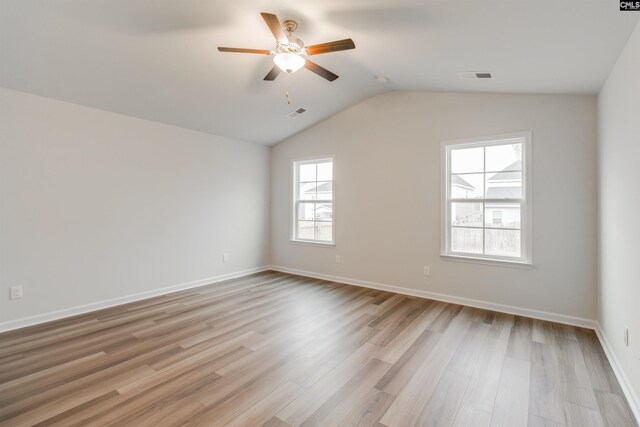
474	75
296	113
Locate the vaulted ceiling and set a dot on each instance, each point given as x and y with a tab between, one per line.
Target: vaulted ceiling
157	59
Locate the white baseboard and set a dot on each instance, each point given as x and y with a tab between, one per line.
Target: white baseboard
627	388
519	311
81	309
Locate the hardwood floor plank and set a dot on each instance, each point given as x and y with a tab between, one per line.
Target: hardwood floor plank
501	326
575	377
483	386
441	323
46	378
614	410
78	414
468	416
368	410
536	421
338	406
600	373
467	354
315	396
520	339
398	346
29	411
512	401
578	416
405	368
412	398
275	422
262	411
441	409
545	387
158	401
542	332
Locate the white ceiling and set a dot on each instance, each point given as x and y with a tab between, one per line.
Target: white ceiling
157	59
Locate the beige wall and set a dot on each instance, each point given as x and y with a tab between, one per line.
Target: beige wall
96	206
388	196
619	209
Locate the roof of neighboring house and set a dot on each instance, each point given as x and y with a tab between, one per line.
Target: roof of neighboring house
506	174
325	206
325	187
456	180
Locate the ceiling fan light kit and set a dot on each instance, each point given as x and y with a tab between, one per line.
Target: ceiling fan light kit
290	52
289	62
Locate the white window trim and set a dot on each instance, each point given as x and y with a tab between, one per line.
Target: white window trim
294	173
526	260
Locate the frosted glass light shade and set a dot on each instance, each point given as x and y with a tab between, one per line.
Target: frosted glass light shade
289	62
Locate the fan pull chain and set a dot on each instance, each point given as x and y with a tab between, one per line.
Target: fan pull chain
286	93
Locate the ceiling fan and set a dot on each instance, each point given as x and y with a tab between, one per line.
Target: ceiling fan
290	53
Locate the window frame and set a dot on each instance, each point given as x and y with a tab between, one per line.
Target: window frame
526	220
295	166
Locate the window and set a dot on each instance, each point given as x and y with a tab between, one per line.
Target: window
487	198
313	201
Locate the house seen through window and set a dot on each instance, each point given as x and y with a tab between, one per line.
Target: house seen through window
487	199
313	201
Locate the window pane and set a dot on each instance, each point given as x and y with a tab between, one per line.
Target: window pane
306	230
324	190
307	191
466	214
504	185
467	240
307	172
467	186
325	171
504	215
467	160
502	242
506	157
306	211
325	231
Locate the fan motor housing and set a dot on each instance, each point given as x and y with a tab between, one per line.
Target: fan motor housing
293	40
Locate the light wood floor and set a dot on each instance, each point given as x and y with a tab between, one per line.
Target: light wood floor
277	350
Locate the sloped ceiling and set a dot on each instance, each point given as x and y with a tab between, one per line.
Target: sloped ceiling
157	59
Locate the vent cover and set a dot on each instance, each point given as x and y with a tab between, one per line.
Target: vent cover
296	113
474	75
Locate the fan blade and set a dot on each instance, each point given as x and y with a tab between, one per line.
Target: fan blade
336	46
240	50
322	72
275	26
271	76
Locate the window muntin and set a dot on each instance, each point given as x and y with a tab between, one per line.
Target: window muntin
486	198
313	201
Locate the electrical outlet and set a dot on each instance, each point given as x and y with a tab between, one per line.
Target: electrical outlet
626	335
337	259
225	257
427	270
15	292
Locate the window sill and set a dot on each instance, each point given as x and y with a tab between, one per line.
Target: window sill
496	262
311	243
